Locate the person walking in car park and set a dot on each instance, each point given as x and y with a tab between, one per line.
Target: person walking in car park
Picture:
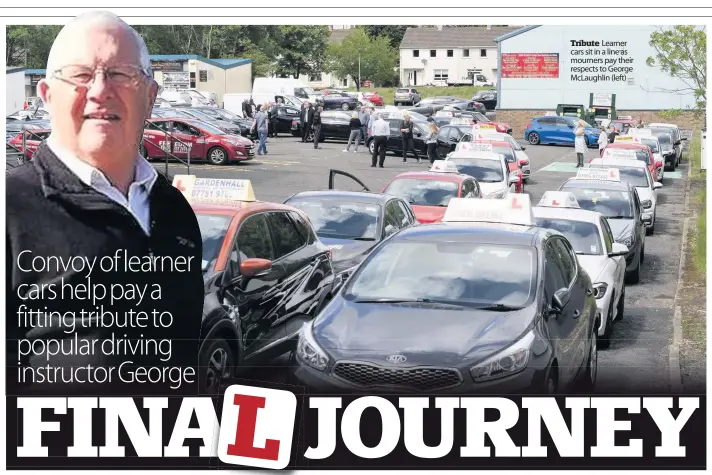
602	141
406	129
431	140
271	114
580	142
317	126
612	136
380	130
261	125
307	118
356	127
363	117
371	120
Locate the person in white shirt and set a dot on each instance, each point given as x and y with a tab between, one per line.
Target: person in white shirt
381	130
602	141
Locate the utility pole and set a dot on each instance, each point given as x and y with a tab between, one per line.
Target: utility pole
358	85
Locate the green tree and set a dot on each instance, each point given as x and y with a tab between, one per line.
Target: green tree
29	46
394	33
681	51
302	48
374	58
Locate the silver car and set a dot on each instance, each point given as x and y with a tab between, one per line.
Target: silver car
406	95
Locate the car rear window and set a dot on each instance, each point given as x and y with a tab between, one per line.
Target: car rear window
403	90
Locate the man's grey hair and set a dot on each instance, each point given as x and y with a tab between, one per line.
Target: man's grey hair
96	18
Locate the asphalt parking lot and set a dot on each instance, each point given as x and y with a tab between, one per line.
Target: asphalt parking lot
637	360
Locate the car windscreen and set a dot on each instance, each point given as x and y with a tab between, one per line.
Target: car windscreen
340	220
664	137
653	144
423	192
212	229
508	152
613	204
633	175
463	273
583	236
208	128
483	170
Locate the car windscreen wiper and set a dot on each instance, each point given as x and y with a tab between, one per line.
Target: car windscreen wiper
500	307
363	239
415	300
620	216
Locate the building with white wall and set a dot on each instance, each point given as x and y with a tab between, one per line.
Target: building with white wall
545	65
441	56
14	89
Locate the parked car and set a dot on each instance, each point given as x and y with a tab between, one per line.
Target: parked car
448	138
395	139
202	140
195	113
487	98
558	130
339	100
245	124
33	139
334	125
406	95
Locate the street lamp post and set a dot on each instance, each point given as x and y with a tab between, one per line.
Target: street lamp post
358	85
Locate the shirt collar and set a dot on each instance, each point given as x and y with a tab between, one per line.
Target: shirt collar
144	175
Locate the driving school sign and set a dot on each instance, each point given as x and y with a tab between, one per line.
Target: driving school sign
214	191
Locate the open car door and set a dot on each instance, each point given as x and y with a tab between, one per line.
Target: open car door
333	173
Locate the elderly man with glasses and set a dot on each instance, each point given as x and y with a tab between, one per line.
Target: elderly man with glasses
89	212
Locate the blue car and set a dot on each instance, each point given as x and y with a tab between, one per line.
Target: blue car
557	130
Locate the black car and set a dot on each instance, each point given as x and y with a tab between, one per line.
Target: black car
352	223
671	145
227	126
419	315
619	203
338	100
284	116
334	125
449	136
266	274
245	124
486	98
395	139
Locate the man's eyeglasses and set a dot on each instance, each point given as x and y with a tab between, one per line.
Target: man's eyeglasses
83	76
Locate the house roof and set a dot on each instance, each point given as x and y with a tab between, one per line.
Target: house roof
453	37
224	63
337	36
515	33
31	72
13	69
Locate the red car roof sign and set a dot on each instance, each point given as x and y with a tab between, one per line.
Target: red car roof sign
599	174
514	209
443	166
559	199
214	191
473	147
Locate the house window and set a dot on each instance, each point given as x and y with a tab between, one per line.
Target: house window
432	53
416	53
449	53
440	74
465	53
483	53
346	82
314	78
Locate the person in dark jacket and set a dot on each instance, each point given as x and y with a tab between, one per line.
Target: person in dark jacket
307	119
272	116
317	126
245	107
356	126
406	129
89	212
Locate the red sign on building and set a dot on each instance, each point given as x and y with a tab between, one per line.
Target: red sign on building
530	65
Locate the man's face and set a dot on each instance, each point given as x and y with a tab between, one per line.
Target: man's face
103	116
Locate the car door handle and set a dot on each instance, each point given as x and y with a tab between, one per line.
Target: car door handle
577	313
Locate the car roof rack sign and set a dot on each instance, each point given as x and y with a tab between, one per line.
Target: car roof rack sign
214	191
619	153
473	147
631	138
559	199
514	209
443	166
599	174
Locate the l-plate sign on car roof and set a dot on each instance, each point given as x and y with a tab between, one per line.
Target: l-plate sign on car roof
599	174
473	147
619	153
443	166
214	191
513	209
559	199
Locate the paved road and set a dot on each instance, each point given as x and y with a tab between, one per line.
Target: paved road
637	360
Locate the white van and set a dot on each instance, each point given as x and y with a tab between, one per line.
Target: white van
285	87
233	101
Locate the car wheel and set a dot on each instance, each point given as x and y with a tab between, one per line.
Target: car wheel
310	136
144	152
633	277
217	362
588	381
217	156
372	146
551	386
533	138
604	341
345	106
621	306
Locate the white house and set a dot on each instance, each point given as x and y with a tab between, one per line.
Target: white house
15	89
449	55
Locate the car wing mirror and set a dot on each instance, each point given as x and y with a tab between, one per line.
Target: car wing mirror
255	267
523	148
618	249
513	179
560	300
657	185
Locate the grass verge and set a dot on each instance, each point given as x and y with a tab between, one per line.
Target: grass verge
388	93
693	293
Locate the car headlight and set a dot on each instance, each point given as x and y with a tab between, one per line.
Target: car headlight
599	290
308	349
627	241
497	194
507	362
647	204
232	142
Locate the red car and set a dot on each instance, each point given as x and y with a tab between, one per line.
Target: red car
642	152
374	98
204	141
506	149
33	139
430	192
